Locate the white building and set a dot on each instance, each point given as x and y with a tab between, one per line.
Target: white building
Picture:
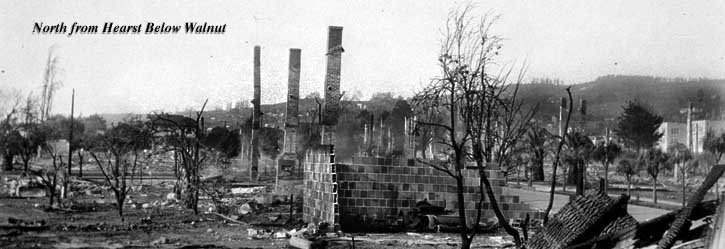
673	133
699	130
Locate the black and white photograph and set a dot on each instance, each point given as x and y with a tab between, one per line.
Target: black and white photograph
362	124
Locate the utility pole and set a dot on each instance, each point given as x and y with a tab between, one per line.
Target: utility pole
582	174
70	143
562	107
70	135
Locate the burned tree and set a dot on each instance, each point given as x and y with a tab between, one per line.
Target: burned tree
51	175
10	138
118	153
557	155
482	121
184	136
35	136
51	83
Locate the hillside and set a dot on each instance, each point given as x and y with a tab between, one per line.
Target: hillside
607	94
605	97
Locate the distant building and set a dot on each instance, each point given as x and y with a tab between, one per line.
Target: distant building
673	133
699	130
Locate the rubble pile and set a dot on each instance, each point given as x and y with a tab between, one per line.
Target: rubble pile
596	220
21	186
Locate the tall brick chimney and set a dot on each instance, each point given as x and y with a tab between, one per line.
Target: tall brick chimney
332	84
289	158
256	114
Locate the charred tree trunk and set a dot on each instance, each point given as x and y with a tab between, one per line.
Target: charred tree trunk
26	162
564	179
120	198
80	164
606	176
572	176
531	177
8	161
683	218
654	189
579	177
538	171
557	157
465	241
684	190
497	210
51	194
629	185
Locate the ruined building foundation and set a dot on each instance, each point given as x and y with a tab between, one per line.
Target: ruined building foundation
378	190
373	190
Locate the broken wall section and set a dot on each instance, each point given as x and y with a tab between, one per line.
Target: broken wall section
379	190
320	186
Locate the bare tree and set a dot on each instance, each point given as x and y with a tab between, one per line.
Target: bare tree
118	154
51	82
426	135
30	109
35	136
557	156
10	104
10	139
682	157
184	136
52	175
481	118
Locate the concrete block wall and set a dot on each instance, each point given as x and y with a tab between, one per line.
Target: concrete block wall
320	186
380	189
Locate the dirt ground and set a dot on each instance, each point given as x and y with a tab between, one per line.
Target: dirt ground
89	219
93	222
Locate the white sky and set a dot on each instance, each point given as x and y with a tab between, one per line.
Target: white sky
389	46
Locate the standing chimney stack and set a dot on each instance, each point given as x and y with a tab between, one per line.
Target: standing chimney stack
332	84
256	114
289	158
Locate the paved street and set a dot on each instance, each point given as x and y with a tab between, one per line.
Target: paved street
539	200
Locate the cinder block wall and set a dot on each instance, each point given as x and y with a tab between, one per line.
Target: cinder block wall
379	189
320	187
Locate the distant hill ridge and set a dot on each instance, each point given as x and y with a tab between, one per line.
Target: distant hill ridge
605	97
